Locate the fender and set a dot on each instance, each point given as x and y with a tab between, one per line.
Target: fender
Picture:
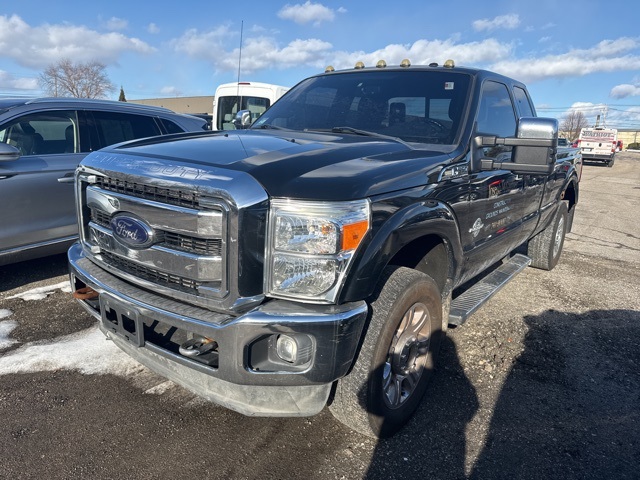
571	183
415	221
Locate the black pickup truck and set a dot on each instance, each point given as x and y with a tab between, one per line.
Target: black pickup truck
317	256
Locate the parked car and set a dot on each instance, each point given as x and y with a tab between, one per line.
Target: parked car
41	142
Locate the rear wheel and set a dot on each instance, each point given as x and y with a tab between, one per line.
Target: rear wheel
545	248
396	360
611	162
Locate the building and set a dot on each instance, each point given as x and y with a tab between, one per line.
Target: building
191	105
628	136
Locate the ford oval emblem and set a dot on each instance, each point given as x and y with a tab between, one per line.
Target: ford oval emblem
131	232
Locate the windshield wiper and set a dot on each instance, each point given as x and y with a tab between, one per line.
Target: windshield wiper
267	126
367	133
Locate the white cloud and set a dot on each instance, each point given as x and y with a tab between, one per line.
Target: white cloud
625	90
424	52
153	28
308	12
115	23
11	82
37	47
258	52
606	56
263	52
204	45
170	91
508	22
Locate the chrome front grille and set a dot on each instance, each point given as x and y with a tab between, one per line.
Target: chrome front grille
201	227
187	258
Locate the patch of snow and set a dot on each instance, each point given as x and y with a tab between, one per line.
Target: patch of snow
5	329
160	389
41	293
88	352
5	313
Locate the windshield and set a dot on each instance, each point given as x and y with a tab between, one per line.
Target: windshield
415	106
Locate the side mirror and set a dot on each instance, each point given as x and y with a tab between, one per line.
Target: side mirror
534	147
9	153
242	119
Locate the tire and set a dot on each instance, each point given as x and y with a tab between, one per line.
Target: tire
545	248
396	359
611	162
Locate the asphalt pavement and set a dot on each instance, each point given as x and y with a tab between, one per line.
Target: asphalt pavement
542	382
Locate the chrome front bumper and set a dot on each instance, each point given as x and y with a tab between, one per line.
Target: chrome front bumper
245	375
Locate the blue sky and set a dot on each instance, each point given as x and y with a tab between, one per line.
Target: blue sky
572	55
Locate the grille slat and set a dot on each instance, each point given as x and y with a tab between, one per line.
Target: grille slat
152	275
182	198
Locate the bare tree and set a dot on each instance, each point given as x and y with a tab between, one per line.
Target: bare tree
573	123
80	80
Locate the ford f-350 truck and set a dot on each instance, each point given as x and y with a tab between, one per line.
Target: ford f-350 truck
317	256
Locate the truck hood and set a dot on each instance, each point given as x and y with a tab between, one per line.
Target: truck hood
298	164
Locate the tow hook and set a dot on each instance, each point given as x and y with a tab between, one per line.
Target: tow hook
197	346
85	293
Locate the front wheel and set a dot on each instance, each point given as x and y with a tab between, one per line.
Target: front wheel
396	359
545	248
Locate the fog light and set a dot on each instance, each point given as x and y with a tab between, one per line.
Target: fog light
287	348
294	349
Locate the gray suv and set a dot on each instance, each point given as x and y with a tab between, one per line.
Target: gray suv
41	143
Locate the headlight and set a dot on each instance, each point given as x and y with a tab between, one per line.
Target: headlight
310	247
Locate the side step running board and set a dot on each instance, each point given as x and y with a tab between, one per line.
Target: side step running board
472	299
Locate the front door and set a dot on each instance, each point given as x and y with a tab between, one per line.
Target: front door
37	190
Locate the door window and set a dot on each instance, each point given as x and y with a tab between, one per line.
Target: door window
43	133
496	117
115	127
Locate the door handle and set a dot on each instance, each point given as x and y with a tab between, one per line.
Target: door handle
67	179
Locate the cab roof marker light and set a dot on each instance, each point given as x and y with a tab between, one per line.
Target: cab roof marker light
449	64
359	65
381	64
329	69
405	63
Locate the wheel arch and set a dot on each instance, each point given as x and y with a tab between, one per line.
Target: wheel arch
424	237
570	195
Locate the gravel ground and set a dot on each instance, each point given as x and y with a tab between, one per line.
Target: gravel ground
542	382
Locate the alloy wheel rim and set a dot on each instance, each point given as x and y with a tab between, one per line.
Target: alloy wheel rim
407	356
558	238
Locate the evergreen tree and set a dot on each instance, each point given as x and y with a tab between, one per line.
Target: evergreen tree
122	98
